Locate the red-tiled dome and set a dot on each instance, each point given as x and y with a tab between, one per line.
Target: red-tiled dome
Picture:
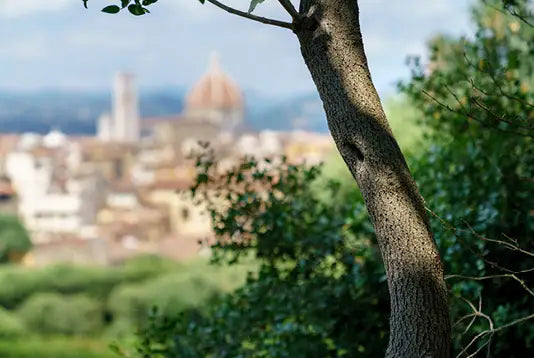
215	90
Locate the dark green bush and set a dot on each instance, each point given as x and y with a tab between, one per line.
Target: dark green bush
320	290
477	106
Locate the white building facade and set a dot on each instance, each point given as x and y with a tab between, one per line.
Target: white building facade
51	199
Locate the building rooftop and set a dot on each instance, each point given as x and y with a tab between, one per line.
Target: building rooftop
215	90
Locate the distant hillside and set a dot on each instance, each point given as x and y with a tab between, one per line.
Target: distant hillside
298	112
76	113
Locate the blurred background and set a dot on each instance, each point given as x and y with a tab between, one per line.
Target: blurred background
100	115
56	56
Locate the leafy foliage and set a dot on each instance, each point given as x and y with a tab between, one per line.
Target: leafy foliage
140	7
253	4
135	7
477	102
320	289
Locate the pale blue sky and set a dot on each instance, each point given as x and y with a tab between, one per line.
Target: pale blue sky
58	44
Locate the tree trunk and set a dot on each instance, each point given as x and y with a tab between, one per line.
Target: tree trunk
332	47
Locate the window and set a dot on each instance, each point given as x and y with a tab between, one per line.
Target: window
185	213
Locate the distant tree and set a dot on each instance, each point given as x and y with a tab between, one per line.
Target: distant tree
14	239
51	313
332	47
10	325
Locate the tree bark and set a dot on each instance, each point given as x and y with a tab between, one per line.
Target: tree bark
332	47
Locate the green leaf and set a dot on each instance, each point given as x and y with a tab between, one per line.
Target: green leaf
202	1
202	178
111	9
253	4
85	3
125	3
136	10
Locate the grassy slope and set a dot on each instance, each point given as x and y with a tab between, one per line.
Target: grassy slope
56	347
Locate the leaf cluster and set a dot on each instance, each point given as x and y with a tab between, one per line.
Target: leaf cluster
134	7
476	99
140	7
320	289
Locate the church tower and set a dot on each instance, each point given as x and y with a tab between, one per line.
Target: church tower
125	117
124	124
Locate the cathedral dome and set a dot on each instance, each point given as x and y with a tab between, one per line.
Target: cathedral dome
215	91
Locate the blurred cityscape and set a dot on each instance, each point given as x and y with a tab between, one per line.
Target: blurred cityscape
124	191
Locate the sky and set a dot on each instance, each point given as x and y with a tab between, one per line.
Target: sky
57	44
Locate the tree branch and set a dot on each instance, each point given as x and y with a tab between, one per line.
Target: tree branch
261	19
290	9
468	114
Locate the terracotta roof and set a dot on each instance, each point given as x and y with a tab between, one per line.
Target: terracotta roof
91	143
151	121
171	185
8	142
179	248
62	240
96	150
6	189
84	140
122	186
42	152
215	90
173	247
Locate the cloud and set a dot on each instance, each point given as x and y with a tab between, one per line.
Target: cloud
83	48
17	8
32	49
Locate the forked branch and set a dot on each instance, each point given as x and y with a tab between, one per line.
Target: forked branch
290	9
244	14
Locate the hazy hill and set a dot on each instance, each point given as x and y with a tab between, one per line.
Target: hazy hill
77	112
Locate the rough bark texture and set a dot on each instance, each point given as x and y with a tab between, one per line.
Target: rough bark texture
332	47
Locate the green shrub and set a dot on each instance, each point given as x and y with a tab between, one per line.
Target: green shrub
173	292
55	347
10	325
14	239
68	279
50	313
320	290
477	174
